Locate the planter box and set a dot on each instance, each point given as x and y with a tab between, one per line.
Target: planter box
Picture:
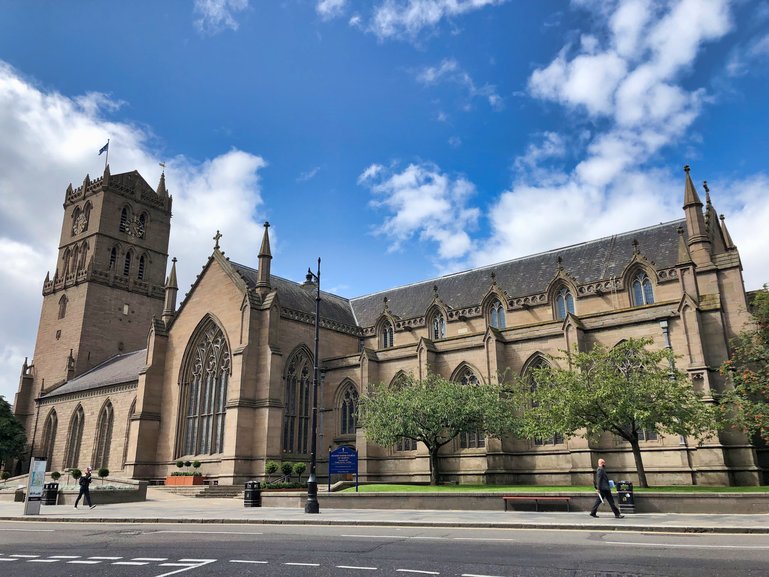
184	480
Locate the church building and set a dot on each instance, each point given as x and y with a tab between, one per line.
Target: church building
123	377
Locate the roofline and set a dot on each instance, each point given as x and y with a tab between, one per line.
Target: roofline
517	259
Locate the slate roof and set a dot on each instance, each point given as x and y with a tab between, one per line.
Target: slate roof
119	369
586	262
295	296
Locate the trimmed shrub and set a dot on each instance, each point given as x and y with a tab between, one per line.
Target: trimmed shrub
103	472
287	468
55	475
299	469
270	467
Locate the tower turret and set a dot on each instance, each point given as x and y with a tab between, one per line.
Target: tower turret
265	256
169	308
698	241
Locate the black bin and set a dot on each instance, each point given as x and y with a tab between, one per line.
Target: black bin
253	494
625	497
50	491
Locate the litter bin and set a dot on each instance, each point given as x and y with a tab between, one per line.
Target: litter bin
625	497
19	495
253	494
50	492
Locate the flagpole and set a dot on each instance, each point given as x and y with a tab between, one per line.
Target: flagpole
106	158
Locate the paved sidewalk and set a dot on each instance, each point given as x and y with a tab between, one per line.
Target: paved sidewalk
164	508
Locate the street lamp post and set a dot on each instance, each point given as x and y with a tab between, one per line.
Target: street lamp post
312	505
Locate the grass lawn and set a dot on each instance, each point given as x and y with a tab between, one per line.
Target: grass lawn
388	488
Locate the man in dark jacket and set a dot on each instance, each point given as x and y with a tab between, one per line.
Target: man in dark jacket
603	489
85	491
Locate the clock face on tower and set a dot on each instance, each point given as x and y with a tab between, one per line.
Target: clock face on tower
135	227
79	225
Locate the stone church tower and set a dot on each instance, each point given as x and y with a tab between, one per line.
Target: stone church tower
107	286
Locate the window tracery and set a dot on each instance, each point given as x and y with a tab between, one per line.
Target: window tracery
348	410
74	438
204	392
564	303
297	409
103	437
642	290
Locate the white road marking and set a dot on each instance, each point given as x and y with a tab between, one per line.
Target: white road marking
376	536
106	558
44	560
29	530
247	561
475	575
303	564
417	571
84	562
7	559
213	532
177	564
70	557
149	559
130	563
479	539
26	556
354	567
199	563
687	546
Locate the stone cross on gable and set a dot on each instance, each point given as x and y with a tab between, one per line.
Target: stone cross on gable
217	236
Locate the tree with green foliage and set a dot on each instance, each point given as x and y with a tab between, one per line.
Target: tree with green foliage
746	405
434	411
287	468
626	390
299	469
13	439
271	467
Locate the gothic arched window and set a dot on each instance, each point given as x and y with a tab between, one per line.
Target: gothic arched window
438	326
124	219
497	315
141	268
643	292
74	438
112	258
204	393
564	303
83	255
103	437
386	338
127	264
531	378
143	227
470	439
49	438
296	412
348	408
63	306
131	412
65	262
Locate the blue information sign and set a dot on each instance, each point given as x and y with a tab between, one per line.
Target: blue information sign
343	460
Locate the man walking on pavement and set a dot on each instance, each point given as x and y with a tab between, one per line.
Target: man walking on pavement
603	489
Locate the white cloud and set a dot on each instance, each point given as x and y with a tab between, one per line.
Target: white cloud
403	19
426	203
218	15
308	174
63	135
627	78
328	9
449	71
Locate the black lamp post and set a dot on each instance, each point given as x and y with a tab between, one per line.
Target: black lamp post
312	505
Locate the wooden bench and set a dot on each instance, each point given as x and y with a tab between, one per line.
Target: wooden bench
508	498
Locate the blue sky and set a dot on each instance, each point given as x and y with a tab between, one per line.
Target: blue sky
396	139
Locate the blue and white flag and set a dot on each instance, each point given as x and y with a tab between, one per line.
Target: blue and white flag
104	148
